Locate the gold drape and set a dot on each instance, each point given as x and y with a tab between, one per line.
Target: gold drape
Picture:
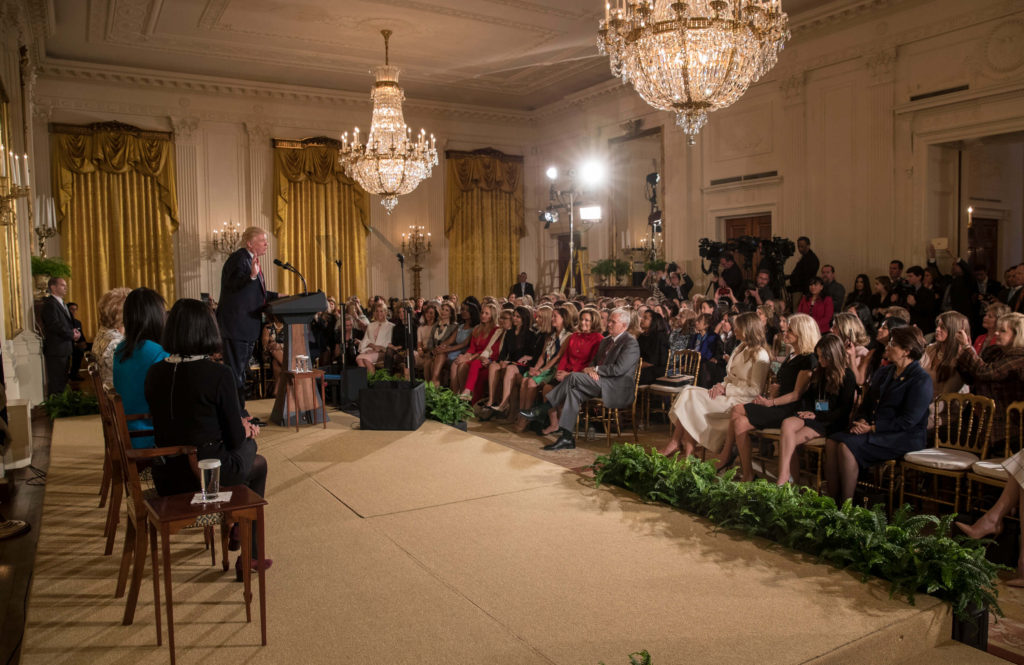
10	250
319	215
117	211
483	221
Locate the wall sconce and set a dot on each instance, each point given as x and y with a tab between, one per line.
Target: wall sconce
15	183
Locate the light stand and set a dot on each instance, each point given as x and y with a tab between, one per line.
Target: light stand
566	200
409	340
343	401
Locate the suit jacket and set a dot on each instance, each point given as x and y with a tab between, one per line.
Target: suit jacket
900	406
58	333
616	363
520	289
803	271
241	298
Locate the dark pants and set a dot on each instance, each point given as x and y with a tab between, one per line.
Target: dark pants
56	373
569	395
237	353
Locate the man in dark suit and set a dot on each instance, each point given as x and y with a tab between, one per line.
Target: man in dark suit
522	288
731	276
921	302
243	293
677	287
81	344
805	268
612	377
59	335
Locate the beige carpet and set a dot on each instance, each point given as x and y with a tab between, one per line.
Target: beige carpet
440	547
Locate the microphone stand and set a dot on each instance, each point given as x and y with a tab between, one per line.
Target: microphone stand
305	289
344	344
409	341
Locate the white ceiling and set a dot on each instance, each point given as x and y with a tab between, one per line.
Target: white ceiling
512	54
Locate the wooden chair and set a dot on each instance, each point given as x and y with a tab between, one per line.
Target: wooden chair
962	431
608	416
685	363
92	368
138	491
990	472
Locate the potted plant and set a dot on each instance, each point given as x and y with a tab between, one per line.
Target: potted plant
623	269
43	269
657	265
445	406
604	269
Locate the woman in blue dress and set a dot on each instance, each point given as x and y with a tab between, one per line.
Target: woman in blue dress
144	315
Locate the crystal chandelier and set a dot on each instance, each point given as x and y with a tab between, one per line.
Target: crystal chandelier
390	164
692	57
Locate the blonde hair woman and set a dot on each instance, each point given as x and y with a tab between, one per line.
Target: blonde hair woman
694	412
792	377
850	330
111	332
940	357
376	339
999	371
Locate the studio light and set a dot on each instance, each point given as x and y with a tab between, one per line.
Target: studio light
590	213
592	173
552	172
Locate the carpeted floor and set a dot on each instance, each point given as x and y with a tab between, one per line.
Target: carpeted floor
438	546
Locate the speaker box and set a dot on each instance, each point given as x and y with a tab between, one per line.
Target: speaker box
343	388
392	405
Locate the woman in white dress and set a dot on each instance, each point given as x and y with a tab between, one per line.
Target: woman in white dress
376	339
701	416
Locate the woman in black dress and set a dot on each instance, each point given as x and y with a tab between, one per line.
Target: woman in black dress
194	402
824	407
653	341
893	418
792	376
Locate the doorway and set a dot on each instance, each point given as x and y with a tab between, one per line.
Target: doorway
574	285
756	226
983	244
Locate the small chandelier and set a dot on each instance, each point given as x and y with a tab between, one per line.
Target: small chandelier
692	57
390	164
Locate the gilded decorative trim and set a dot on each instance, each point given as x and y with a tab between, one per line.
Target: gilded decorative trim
483	152
112	126
323	141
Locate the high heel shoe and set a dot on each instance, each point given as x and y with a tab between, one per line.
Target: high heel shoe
255	565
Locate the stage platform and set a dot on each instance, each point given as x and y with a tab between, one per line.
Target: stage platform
439	546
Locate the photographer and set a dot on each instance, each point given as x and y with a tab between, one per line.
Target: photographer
677	287
762	292
805	269
730	276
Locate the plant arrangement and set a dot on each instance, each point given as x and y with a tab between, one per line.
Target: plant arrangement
383	375
915	553
445	406
604	268
657	265
623	268
55	267
70	403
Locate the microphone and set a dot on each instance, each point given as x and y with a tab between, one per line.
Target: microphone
401	258
337	262
280	264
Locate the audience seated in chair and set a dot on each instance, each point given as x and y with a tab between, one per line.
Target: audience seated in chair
699	415
892	420
194	403
612	377
144	314
484	342
653	341
453	346
550	336
376	339
513	357
990	524
999	371
578	354
111	332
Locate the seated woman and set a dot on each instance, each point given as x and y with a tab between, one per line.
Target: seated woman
144	314
653	341
860	293
452	347
683	330
793	376
579	351
876	350
376	339
699	415
990	524
705	342
324	327
863	312
998	372
992	313
111	332
195	403
470	369
893	418
819	307
359	320
514	355
548	352
940	357
425	335
273	340
484	340
435	359
879	300
855	339
824	407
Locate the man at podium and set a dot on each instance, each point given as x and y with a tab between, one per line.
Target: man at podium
243	293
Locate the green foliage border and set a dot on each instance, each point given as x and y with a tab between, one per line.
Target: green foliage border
442	404
915	553
70	403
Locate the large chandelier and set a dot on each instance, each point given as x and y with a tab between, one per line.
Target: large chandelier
390	164
692	57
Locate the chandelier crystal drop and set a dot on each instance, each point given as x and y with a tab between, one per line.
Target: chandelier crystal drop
692	57
390	163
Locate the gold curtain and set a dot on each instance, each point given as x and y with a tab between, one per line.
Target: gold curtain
117	210
10	250
483	221
319	215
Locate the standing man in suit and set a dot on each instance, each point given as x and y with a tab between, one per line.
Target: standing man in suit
81	344
522	288
804	270
59	335
243	293
612	377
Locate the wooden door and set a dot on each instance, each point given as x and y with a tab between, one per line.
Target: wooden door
757	226
983	244
563	263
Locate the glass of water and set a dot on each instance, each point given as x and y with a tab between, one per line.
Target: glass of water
210	478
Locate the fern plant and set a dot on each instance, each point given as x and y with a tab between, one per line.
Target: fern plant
70	403
445	406
915	553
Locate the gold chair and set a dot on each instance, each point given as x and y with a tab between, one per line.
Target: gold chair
607	415
990	472
685	363
962	432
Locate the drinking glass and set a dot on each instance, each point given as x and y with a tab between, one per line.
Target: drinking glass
210	478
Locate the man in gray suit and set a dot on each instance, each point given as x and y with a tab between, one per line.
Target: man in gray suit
612	377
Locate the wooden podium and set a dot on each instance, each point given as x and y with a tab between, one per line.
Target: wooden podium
298	400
